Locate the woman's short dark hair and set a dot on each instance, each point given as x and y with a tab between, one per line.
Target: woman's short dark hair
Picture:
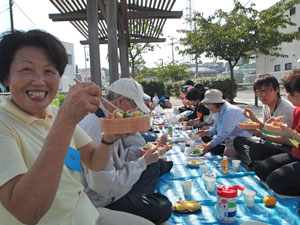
291	82
200	87
194	95
266	80
10	43
189	82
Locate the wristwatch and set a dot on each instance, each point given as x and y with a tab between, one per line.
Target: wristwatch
106	142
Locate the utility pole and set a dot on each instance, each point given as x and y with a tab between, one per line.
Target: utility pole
11	2
172	43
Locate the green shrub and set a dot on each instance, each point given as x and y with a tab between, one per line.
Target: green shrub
152	86
223	84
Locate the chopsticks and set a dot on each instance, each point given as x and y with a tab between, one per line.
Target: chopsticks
103	99
274	117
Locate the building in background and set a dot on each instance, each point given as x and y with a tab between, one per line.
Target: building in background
69	73
280	66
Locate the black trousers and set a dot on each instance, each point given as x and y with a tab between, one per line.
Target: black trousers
281	173
142	200
250	151
217	150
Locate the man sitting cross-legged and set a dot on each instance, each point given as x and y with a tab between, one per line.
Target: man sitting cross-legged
251	151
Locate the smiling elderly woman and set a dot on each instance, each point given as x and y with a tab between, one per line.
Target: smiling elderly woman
38	182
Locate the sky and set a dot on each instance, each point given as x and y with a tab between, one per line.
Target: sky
33	14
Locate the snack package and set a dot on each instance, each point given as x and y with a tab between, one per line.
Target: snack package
190	206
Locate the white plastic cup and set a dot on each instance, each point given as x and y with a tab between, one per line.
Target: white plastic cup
182	146
210	183
249	197
187	187
204	168
192	144
236	165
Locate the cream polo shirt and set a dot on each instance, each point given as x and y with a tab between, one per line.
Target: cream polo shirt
22	137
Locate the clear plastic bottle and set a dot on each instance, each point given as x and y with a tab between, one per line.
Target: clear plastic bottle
155	99
225	165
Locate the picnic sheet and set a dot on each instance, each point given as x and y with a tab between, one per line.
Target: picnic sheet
284	213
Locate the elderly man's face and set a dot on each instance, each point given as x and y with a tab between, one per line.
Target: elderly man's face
126	104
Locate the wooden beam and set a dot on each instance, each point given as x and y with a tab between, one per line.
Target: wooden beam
95	65
124	18
146	14
138	40
73	16
102	7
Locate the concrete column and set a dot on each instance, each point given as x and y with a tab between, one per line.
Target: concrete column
92	18
111	20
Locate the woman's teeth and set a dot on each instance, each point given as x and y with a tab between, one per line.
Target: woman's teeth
37	94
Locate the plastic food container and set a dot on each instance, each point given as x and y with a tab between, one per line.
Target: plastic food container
226	204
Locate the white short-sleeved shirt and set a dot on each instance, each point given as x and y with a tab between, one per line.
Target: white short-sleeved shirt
284	108
22	137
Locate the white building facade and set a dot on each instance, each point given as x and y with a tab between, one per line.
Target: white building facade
280	66
69	73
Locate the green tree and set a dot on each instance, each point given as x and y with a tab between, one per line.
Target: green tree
240	32
173	71
136	60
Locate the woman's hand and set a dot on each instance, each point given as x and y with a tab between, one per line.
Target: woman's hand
287	132
83	98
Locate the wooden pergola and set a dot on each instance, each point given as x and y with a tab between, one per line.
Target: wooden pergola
116	23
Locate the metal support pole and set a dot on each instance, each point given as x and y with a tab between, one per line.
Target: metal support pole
11	15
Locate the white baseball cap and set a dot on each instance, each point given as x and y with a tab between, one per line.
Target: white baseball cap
131	89
213	96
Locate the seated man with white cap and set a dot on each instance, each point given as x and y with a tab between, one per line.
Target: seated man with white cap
129	180
225	128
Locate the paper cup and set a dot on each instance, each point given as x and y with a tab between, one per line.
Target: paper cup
236	165
210	183
249	197
187	187
182	146
204	168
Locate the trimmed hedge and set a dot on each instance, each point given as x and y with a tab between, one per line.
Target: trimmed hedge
223	84
173	89
152	86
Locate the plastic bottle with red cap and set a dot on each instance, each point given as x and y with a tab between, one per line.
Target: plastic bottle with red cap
226	203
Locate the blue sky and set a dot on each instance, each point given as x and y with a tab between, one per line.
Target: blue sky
33	14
